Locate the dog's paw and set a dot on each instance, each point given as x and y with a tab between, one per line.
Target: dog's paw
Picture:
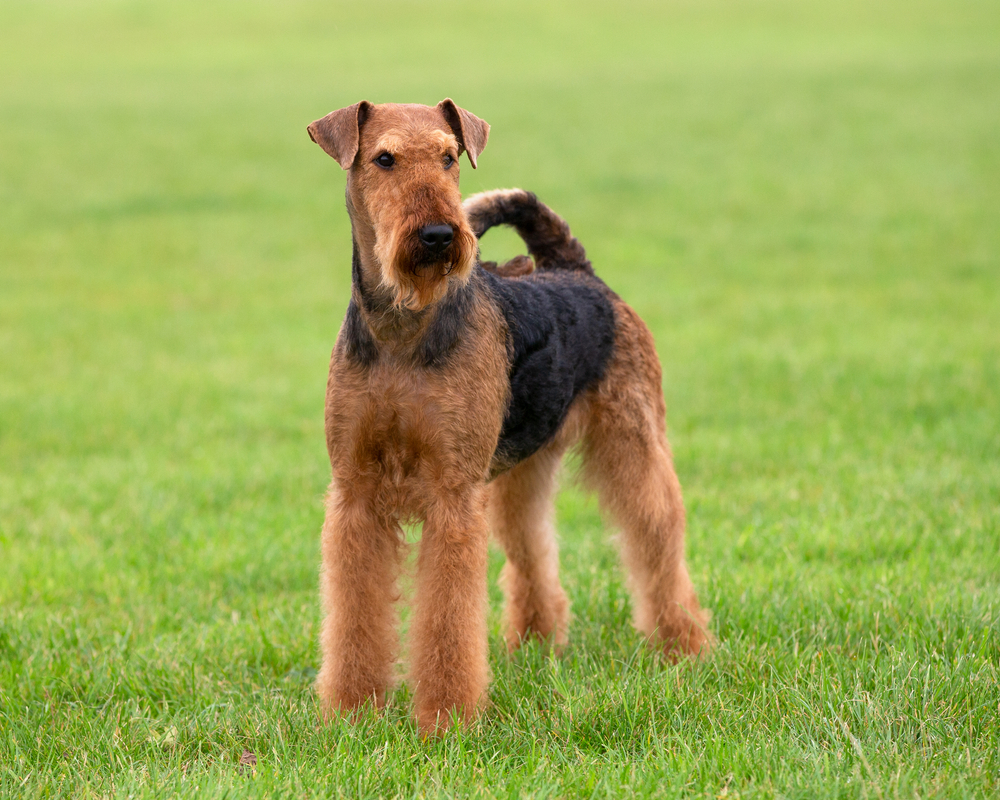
684	633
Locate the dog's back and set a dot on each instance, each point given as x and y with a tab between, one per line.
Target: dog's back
560	318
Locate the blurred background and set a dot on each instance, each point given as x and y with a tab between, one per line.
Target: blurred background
802	199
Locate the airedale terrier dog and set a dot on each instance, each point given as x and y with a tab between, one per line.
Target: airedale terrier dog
454	391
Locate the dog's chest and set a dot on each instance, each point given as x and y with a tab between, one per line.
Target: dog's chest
404	426
383	423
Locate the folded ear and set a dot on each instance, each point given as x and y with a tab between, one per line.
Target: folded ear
337	133
471	131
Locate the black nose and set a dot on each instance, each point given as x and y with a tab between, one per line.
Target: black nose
436	238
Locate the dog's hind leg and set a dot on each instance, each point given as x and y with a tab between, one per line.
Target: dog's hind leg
522	519
628	460
358	640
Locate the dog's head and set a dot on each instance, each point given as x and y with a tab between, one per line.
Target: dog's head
402	190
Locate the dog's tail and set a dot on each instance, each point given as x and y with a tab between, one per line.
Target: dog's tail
548	237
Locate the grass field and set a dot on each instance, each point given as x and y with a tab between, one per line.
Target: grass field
803	201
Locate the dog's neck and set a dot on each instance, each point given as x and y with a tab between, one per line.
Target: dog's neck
377	328
391	326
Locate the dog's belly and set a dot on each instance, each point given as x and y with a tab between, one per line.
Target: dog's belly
562	329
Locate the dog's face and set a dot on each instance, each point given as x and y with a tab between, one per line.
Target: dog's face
402	186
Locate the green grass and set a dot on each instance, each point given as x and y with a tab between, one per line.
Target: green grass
802	200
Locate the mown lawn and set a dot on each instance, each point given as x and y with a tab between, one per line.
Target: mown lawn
803	201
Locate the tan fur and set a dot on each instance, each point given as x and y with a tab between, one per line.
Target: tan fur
522	519
406	445
517	267
417	444
627	459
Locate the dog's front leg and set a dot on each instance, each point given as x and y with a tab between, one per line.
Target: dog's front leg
449	646
360	565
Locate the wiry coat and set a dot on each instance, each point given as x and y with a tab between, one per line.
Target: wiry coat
453	393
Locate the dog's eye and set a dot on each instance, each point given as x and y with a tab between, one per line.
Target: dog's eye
448	160
385	160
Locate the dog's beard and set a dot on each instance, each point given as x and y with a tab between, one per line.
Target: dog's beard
414	277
